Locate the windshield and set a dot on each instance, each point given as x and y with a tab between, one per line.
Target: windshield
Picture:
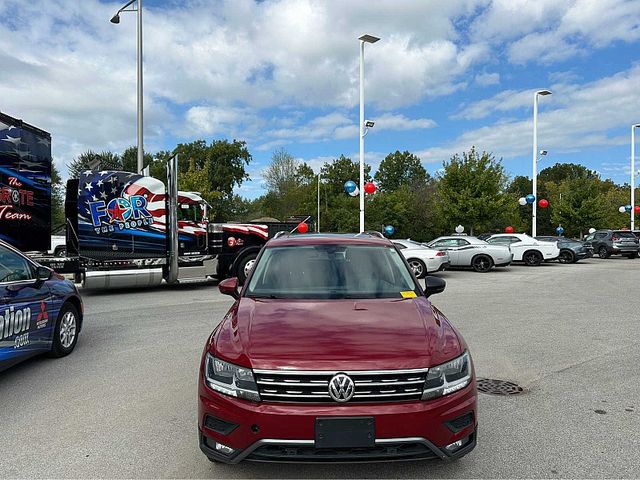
331	271
190	212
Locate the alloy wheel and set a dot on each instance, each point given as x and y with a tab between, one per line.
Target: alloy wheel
67	329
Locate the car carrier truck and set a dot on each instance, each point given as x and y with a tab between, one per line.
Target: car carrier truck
122	229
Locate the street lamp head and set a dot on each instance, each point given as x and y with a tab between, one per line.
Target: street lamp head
543	152
116	18
543	92
368	38
369	123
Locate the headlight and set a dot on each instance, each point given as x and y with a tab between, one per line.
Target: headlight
231	379
448	377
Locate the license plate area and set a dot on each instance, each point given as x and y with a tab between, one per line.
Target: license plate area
345	432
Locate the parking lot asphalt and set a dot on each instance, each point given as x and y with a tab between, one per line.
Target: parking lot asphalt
124	403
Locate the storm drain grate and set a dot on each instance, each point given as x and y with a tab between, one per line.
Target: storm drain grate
499	387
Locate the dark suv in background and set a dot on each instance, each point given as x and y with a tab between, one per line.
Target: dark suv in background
614	242
570	250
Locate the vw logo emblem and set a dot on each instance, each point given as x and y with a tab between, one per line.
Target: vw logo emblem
341	388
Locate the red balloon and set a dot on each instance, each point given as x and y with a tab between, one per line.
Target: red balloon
509	229
369	188
543	203
303	227
637	209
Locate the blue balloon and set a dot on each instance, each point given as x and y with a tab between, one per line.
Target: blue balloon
559	230
389	230
627	208
530	198
350	186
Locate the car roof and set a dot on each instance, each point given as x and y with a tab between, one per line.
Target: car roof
469	238
329	239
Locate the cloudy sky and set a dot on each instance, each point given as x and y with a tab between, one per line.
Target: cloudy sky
445	76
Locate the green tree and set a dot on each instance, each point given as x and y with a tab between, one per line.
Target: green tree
471	192
334	174
129	159
99	161
281	174
578	205
57	198
400	169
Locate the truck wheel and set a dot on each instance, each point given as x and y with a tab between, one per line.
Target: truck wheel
244	267
65	334
532	259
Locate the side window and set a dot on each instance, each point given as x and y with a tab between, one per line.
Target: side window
499	240
400	246
514	239
462	243
13	267
589	238
601	235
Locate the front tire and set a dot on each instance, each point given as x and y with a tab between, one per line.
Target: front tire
418	267
244	267
603	253
481	263
566	256
65	335
532	259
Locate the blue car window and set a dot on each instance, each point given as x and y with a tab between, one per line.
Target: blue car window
13	267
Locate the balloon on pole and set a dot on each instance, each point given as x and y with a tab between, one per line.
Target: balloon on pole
522	201
350	186
369	188
303	227
627	208
509	229
459	229
559	230
355	193
592	230
622	209
543	203
389	230
636	209
530	198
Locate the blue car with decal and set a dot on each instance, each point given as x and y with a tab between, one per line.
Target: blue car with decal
40	311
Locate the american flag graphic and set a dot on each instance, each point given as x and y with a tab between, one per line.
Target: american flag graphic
106	185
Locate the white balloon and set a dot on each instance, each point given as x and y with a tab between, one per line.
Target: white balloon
522	201
459	229
621	210
355	193
592	230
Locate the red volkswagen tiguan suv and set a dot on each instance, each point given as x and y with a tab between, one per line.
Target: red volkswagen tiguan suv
332	352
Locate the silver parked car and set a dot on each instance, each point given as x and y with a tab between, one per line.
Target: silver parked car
466	251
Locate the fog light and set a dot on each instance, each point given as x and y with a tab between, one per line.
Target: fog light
224	449
452	447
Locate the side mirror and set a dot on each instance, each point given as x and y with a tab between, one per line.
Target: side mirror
229	286
43	273
433	285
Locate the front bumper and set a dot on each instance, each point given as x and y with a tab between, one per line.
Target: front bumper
285	432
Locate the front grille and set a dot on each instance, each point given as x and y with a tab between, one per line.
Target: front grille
313	387
295	453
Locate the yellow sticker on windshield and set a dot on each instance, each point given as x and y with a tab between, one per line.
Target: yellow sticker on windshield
408	294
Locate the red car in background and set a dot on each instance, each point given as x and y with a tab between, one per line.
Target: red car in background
332	352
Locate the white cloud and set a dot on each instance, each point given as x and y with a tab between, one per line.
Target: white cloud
486	79
576	117
548	31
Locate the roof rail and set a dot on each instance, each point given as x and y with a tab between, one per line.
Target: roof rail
374	233
280	234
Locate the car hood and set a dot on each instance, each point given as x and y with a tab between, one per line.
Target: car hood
382	334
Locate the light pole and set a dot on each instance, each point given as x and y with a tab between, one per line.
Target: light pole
116	19
534	211
318	219
363	39
633	175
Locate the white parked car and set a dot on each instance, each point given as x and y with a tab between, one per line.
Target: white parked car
526	249
421	259
466	251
